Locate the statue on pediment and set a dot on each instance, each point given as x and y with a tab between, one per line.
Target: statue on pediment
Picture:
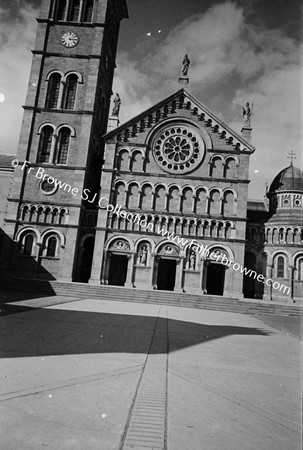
247	113
185	65
117	104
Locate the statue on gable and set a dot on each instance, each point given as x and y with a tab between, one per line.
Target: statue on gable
185	65
117	104
247	113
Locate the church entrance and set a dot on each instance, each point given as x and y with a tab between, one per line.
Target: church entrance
166	274
117	270
86	260
215	279
249	283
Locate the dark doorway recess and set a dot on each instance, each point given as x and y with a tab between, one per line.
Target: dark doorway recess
249	283
215	279
117	270
166	274
87	258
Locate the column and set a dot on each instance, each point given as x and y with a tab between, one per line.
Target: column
130	271
267	288
202	263
103	269
204	275
152	268
97	257
291	283
179	274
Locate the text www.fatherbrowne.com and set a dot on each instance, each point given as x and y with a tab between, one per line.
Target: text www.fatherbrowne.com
103	203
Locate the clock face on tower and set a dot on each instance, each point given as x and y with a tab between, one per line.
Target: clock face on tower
69	39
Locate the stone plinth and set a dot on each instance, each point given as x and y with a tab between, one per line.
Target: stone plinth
246	132
183	81
113	122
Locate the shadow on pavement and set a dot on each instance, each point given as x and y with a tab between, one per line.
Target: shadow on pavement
28	332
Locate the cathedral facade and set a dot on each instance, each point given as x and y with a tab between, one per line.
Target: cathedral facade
100	204
185	173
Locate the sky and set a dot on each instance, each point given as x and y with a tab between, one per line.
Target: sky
240	50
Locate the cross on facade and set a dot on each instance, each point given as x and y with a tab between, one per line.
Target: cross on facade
291	156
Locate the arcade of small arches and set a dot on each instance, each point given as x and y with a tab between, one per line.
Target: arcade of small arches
186	200
40	245
288	235
284	235
135	160
179	225
43	214
164	266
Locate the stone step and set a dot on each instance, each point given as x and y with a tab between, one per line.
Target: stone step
116	293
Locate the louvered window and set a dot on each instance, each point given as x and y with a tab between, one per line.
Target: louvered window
61	10
74	10
88	11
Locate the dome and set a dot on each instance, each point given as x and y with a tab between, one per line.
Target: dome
289	179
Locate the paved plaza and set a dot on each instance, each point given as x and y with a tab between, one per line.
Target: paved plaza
93	374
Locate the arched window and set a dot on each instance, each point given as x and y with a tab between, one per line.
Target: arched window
228	231
51	247
133	196
88	11
300	269
53	91
25	212
214	203
74	11
28	243
230	168
69	96
45	144
280	267
228	203
146	199
216	167
63	144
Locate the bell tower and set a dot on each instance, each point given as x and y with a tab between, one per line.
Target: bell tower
60	151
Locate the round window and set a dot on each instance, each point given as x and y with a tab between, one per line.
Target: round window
178	149
297	202
47	187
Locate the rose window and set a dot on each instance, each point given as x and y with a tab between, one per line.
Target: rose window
178	149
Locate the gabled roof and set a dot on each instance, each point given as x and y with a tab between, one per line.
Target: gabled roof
198	109
257	205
